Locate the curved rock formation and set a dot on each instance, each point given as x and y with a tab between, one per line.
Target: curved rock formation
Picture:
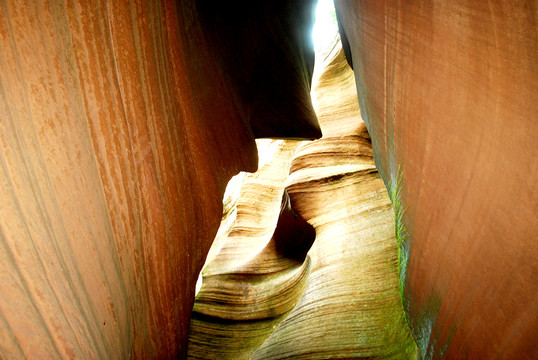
449	92
249	284
350	305
120	125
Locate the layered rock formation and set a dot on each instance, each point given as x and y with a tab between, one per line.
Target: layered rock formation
448	91
350	305
249	285
120	125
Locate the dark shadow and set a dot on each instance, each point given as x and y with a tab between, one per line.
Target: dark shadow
293	236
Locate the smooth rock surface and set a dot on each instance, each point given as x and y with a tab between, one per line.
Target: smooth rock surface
449	92
120	125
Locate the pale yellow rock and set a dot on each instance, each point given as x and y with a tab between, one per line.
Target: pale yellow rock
351	307
344	300
248	286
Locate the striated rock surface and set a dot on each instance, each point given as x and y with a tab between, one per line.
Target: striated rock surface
251	281
449	92
120	125
349	305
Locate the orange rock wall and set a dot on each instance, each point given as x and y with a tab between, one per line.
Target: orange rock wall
118	133
121	123
449	92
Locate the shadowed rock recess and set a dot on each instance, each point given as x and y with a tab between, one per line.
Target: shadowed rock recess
122	122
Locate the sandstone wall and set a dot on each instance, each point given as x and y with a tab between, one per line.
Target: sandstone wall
120	126
449	92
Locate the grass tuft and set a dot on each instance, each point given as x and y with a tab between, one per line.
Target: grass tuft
395	188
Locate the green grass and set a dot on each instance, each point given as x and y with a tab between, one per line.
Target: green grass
394	190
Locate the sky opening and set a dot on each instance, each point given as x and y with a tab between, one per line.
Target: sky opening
325	26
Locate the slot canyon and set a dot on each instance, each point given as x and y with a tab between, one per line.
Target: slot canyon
188	179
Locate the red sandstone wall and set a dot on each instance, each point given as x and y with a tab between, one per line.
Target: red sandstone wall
118	133
449	91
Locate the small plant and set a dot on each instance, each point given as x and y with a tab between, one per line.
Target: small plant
394	191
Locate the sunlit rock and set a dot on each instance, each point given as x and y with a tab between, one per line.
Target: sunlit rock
350	304
252	278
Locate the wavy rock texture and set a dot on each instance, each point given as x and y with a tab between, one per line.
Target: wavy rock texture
248	284
120	125
349	305
449	92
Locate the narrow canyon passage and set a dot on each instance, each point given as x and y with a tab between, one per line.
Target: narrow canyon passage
343	300
122	122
